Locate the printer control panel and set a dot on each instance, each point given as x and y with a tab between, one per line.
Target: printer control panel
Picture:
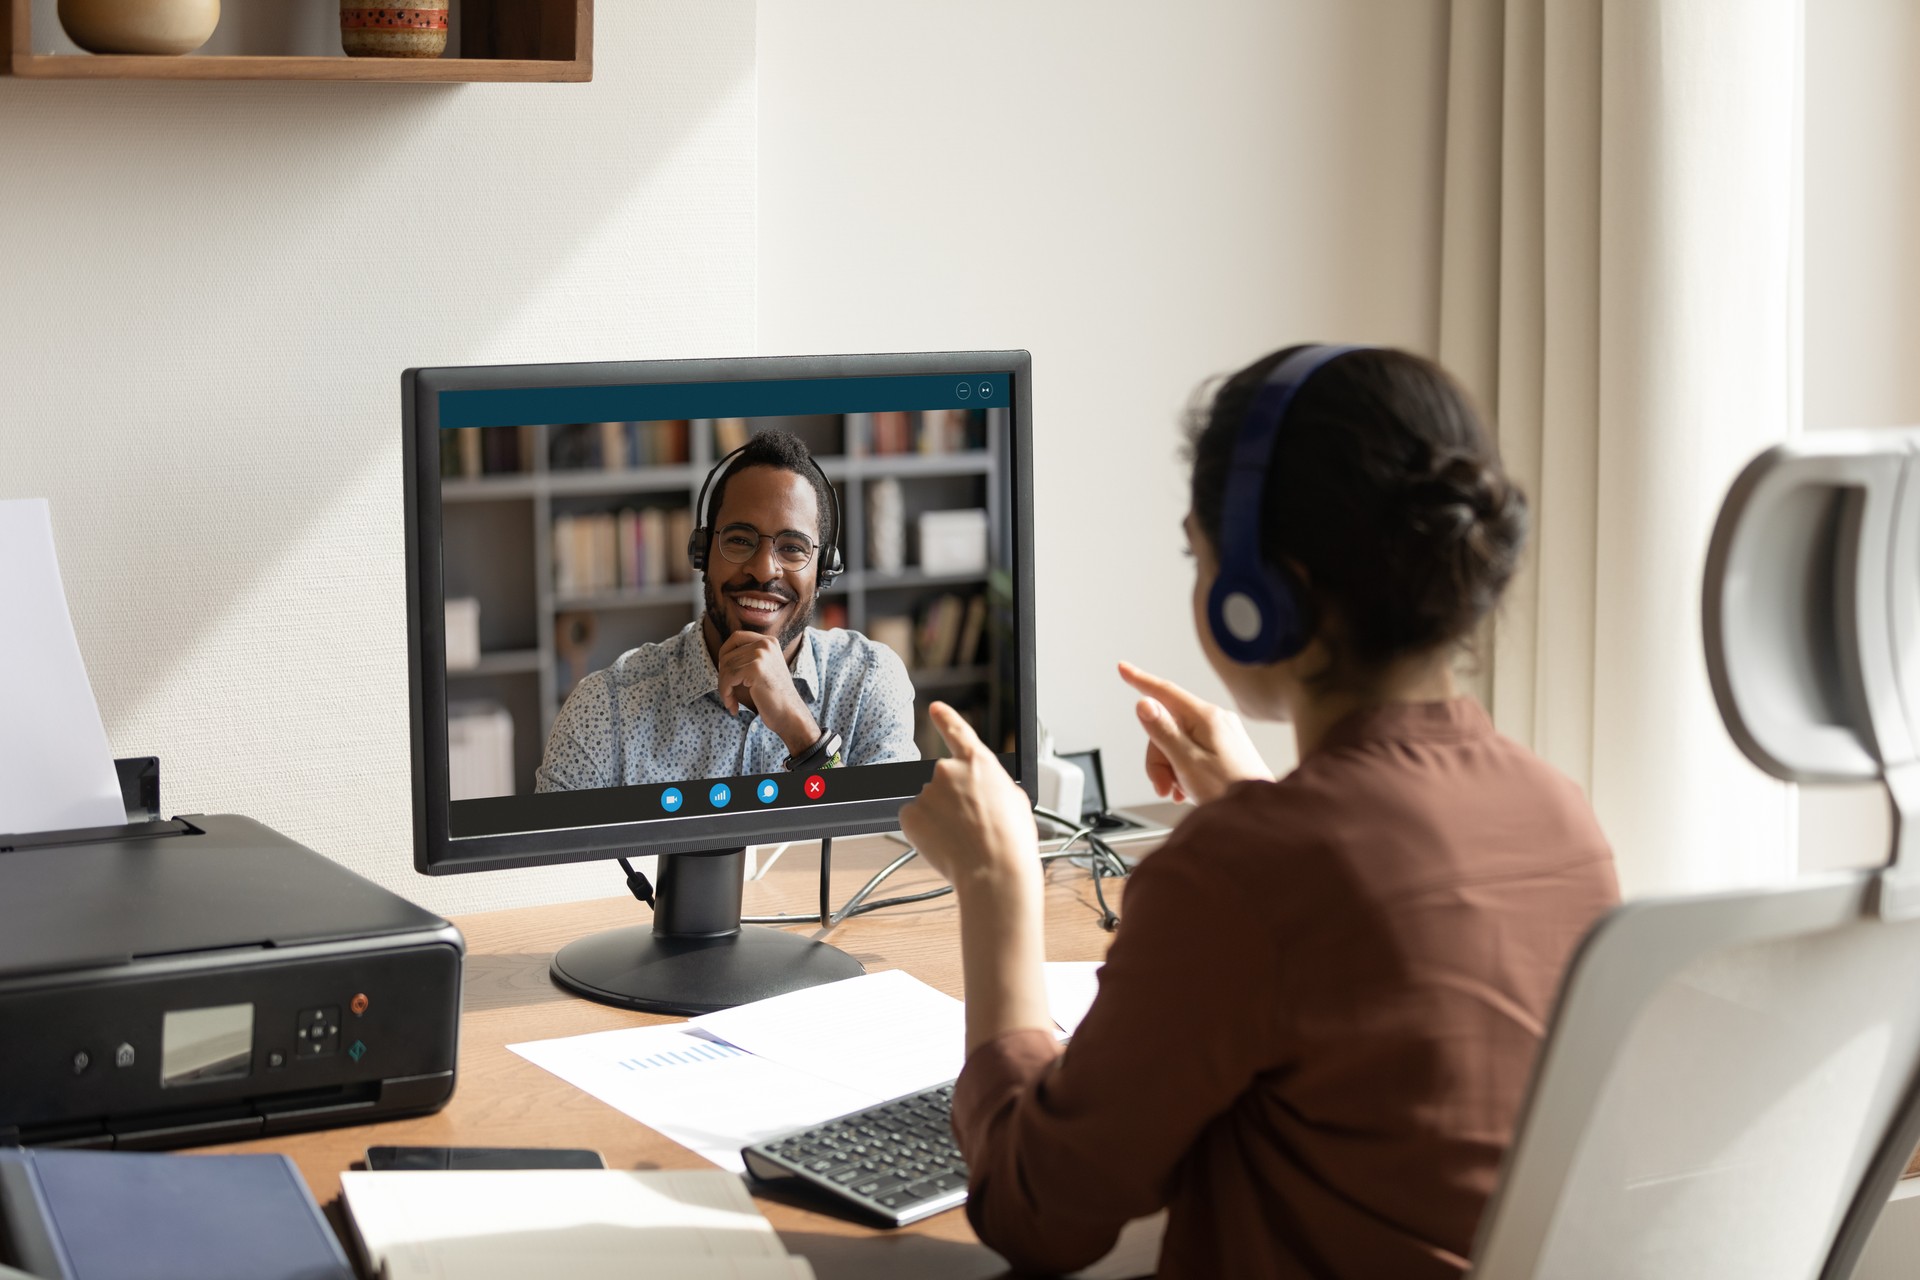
130	1061
317	1033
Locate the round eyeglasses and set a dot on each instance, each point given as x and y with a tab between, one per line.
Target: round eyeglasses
738	543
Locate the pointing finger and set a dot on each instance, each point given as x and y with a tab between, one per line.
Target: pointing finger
1177	700
959	736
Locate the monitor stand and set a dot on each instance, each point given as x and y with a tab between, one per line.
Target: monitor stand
696	957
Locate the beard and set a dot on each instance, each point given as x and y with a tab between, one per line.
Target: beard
802	608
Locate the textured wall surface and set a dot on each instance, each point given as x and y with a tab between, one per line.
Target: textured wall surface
211	292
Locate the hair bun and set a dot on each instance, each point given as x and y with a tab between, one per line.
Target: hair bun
1456	494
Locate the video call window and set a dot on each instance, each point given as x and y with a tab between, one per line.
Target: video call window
566	570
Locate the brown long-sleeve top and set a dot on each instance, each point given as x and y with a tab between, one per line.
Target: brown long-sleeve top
1315	1024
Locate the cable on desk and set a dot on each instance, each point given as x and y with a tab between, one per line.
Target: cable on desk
1101	860
857	905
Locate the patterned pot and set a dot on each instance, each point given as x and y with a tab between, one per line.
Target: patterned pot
385	31
139	26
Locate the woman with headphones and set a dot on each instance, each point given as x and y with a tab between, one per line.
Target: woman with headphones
1318	1017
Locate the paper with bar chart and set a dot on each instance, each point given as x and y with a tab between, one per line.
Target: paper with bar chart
703	1093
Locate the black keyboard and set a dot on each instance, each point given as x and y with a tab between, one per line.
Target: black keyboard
895	1162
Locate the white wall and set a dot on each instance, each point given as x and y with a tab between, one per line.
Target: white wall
1862	289
1143	195
215	287
210	294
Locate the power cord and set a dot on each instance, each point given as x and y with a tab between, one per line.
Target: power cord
637	883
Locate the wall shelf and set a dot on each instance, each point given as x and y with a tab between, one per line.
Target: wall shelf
500	40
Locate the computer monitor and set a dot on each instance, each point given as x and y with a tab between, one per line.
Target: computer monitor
585	540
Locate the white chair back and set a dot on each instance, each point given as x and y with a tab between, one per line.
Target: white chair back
1731	1083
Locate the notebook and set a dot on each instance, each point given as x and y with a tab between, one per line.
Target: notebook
118	1215
678	1224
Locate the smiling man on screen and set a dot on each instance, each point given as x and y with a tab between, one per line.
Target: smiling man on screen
749	687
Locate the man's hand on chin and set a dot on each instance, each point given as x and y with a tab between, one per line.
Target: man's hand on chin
753	673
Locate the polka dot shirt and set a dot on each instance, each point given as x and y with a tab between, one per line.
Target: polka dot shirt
655	715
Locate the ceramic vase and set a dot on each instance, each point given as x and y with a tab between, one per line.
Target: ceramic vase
387	31
139	26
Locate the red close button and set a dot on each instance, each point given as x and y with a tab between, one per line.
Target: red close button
816	787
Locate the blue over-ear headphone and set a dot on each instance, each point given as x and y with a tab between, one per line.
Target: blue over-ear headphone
1258	611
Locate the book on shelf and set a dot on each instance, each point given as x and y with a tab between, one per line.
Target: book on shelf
467	453
632	549
948	431
971	632
619	446
665	442
892	432
939	633
929	431
613	446
627	548
679	534
728	434
832	615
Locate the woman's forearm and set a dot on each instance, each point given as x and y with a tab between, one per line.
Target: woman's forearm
1002	948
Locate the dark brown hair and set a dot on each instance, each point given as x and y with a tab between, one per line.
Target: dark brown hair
1386	490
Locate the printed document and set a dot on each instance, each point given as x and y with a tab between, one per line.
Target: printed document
705	1094
1071	987
884	1034
56	770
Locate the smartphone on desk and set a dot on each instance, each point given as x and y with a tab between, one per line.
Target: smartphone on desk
423	1159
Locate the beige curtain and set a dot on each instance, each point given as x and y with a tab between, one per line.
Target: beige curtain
1621	288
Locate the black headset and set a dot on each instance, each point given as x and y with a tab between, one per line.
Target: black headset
831	564
1259	612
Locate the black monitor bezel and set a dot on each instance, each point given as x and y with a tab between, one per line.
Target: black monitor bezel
436	851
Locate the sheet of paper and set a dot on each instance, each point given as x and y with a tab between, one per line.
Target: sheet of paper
483	1260
528	1222
883	1034
710	1096
1071	987
56	770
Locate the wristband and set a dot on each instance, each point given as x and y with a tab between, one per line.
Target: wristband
826	746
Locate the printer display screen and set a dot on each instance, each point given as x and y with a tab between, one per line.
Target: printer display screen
201	1045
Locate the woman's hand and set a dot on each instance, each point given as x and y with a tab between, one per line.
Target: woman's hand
1195	750
974	824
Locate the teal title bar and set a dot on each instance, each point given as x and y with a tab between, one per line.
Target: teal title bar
530	406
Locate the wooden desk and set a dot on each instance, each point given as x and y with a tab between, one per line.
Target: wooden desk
503	1100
